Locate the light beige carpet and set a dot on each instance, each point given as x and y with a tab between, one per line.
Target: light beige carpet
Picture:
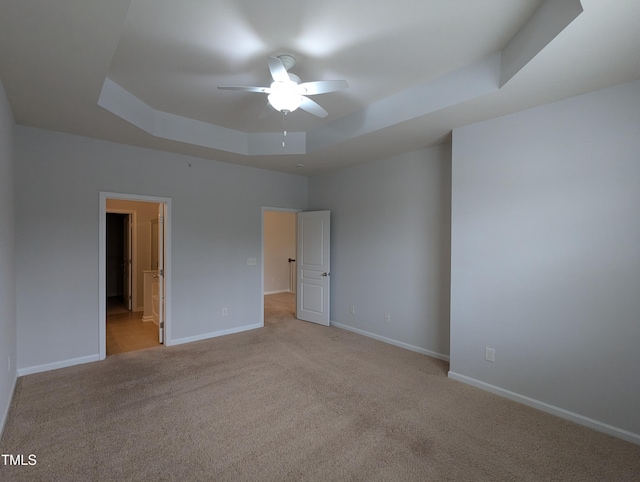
291	401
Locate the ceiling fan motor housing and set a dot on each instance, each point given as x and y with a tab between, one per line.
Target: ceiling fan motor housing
288	61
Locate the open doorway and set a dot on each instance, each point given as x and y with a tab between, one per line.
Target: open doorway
308	273
134	273
279	277
119	260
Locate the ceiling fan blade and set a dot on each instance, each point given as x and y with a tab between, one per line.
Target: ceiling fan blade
278	72
313	107
323	86
245	88
266	110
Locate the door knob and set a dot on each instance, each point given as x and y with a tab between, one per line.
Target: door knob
325	274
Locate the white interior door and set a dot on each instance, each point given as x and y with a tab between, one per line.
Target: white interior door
312	294
161	287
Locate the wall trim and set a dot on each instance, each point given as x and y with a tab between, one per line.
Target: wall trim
275	292
93	358
214	334
59	364
553	410
391	341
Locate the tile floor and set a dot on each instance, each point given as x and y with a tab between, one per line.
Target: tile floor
127	332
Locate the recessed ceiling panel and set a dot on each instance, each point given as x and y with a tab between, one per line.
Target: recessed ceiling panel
173	54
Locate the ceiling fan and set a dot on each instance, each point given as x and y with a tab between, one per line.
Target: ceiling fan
286	93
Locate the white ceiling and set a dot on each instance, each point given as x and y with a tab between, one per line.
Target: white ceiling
168	56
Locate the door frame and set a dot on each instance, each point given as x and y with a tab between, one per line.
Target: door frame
266	209
102	271
133	278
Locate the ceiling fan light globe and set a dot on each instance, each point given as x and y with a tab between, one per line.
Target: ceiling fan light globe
284	101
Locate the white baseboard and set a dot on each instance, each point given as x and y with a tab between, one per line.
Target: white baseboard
275	292
391	341
92	358
55	365
230	331
553	410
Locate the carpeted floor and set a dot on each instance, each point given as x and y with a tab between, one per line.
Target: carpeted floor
292	401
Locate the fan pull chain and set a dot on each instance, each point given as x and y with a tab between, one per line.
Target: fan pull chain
284	128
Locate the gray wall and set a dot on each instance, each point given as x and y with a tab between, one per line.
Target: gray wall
7	259
546	255
390	230
216	226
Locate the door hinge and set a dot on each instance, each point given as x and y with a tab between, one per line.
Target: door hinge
162	325
161	272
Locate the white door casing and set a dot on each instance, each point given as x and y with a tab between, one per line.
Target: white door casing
166	285
161	287
313	260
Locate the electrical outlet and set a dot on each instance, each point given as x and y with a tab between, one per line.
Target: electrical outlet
490	354
352	310
224	311
387	318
